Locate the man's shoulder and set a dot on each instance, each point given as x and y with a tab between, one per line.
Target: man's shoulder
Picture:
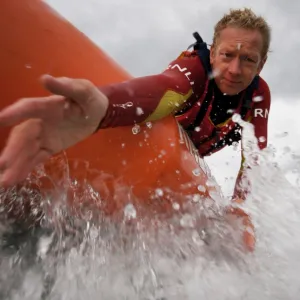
262	94
263	87
190	57
188	54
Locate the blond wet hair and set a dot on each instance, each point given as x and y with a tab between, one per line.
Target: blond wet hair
245	19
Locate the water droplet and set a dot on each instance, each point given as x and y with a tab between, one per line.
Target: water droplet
203	235
35	211
196	239
235	146
214	74
187	221
196	198
130	211
210	182
214	194
201	188
139	111
123	145
197	129
149	124
128	104
159	192
176	206
43	246
197	172
261	139
28	66
236	118
94	233
136	129
258	98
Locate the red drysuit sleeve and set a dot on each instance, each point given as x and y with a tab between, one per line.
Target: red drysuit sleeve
153	97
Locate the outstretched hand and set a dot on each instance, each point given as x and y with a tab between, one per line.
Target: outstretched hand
48	125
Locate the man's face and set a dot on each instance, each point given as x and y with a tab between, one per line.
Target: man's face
236	59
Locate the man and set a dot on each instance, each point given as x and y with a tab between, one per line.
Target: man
202	92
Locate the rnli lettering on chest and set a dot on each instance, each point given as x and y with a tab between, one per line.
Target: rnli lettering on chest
259	112
183	70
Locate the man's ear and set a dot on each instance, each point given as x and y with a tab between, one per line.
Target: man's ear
212	54
261	64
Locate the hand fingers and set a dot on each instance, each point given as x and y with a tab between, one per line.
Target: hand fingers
21	152
29	108
20	169
23	138
80	90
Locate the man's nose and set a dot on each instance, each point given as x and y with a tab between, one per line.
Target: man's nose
235	66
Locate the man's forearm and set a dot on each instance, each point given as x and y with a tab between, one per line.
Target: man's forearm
154	97
144	99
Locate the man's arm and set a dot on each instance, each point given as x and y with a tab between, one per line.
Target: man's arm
259	118
154	97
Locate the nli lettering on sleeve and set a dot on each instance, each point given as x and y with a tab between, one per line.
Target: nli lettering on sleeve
182	70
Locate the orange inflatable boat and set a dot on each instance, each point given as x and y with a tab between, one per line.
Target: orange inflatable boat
153	161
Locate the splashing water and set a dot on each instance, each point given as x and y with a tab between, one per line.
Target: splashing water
189	257
85	261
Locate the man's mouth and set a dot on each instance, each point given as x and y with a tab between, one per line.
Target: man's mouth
233	82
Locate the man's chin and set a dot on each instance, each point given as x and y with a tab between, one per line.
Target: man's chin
230	90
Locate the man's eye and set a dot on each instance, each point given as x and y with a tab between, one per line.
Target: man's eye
226	54
247	58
